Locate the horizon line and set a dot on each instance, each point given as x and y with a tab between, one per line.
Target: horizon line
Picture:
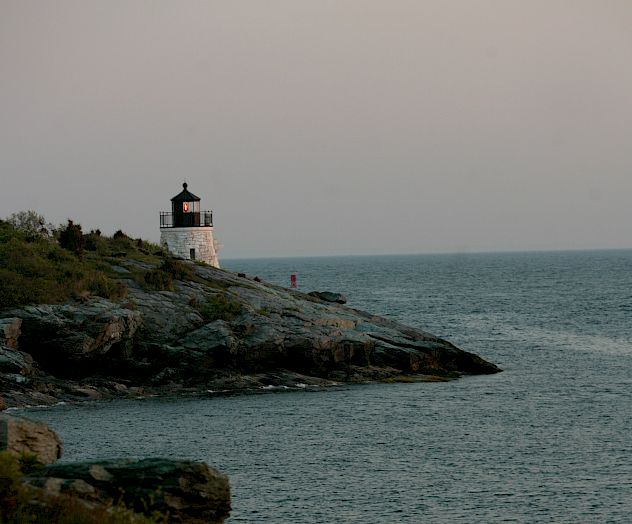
437	253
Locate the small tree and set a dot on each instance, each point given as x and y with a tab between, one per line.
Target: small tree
71	238
118	234
31	223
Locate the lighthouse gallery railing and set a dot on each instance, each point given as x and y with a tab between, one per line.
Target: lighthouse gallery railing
201	219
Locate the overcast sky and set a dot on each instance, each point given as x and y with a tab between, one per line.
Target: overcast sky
325	127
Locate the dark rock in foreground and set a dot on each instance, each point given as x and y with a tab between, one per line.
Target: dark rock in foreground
215	331
181	490
186	491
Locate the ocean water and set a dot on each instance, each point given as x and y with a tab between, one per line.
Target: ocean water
547	440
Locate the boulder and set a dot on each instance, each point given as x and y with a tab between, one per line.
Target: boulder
328	296
20	435
186	491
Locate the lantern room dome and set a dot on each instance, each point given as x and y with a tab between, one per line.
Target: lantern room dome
185	195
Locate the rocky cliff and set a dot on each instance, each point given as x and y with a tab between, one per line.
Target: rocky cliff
209	329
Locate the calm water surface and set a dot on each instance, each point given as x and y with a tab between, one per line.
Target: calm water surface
547	440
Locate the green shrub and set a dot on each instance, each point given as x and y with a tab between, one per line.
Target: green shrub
71	238
29	463
99	284
31	223
40	269
35	270
119	235
157	280
178	270
220	307
93	241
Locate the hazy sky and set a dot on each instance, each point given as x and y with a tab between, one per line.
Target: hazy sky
325	127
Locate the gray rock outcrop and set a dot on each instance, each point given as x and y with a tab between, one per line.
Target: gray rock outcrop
73	339
277	328
215	330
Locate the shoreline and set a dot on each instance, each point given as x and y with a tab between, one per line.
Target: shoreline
147	393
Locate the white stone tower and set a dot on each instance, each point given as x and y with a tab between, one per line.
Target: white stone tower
187	232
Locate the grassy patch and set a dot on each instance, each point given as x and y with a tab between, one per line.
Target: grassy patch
178	270
157	280
162	278
36	269
103	286
219	307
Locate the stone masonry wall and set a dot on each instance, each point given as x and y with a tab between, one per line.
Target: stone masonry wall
180	240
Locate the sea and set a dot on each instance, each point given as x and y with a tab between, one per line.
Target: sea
547	440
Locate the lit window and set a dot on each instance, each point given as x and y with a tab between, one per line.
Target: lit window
185	207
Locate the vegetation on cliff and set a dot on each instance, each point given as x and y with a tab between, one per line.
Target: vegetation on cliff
40	264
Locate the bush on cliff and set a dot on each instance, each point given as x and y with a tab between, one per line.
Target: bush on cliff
31	223
102	286
93	241
137	247
71	238
161	278
219	307
157	280
177	269
35	270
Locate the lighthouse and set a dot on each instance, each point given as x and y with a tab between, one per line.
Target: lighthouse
186	232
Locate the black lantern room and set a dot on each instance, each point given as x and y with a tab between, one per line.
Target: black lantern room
185	211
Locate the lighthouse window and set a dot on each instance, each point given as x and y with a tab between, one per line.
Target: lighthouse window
192	253
185	207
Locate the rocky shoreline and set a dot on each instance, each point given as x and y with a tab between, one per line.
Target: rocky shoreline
215	331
